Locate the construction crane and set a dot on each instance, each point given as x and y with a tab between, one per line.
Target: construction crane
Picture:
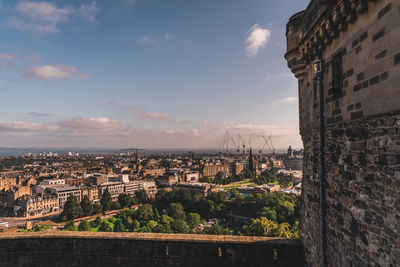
243	142
237	146
225	144
268	142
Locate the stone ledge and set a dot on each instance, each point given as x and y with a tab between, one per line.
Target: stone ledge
151	236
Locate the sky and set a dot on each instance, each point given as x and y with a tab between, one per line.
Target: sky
146	73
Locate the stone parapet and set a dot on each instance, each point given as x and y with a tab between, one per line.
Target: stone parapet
142	249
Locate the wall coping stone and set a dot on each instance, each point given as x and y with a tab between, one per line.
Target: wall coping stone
150	236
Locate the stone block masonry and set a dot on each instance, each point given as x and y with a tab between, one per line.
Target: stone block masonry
142	249
358	44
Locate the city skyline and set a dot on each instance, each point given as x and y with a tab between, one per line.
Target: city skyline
153	74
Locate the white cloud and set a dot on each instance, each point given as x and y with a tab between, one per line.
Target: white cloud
45	17
93	125
258	38
287	100
39	16
88	12
54	72
155	39
24	127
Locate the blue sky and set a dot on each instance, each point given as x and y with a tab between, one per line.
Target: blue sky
146	73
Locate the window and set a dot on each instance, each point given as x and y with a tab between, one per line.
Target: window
337	74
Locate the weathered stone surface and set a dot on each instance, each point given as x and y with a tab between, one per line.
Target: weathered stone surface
140	249
362	145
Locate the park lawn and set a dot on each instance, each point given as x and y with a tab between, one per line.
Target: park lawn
246	182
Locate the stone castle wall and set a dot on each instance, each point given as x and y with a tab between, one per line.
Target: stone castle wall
361	117
141	249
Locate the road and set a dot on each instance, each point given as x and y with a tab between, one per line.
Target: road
17	222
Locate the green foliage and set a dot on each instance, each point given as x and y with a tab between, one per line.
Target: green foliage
246	173
141	196
105	227
272	177
69	226
216	230
264	227
119	226
180	226
205	179
125	200
84	226
87	206
176	211
136	225
96	208
145	213
115	205
193	220
72	209
106	200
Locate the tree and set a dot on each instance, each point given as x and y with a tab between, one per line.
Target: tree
105	227
141	196
69	226
84	226
115	205
180	226
87	206
96	208
216	230
176	211
136	225
205	179
268	213
145	213
97	222
125	200
264	227
193	220
72	209
106	200
119	226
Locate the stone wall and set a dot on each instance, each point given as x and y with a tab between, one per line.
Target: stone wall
139	249
361	117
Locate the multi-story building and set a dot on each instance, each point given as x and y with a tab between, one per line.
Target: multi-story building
192	177
63	192
213	168
150	187
168	179
92	191
97	179
118	178
52	182
132	186
115	189
7	198
39	205
76	180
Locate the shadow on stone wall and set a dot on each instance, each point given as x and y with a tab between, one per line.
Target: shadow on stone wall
137	249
